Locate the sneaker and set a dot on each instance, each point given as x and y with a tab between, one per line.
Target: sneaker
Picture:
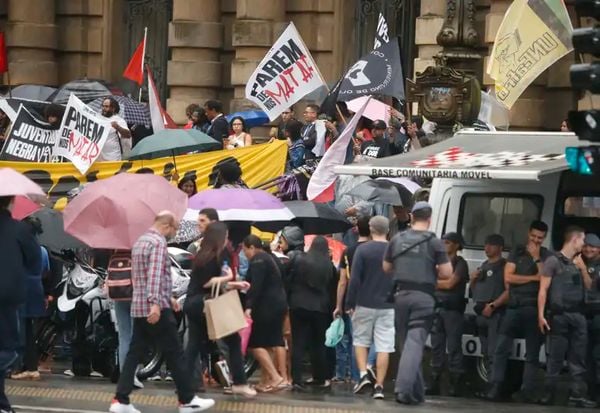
243	390
156	377
365	381
168	376
96	374
581	402
371	373
7	411
69	373
137	383
196	405
116	407
378	392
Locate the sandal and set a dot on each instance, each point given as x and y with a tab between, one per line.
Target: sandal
263	389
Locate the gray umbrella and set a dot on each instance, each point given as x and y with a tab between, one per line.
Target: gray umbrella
32	92
54	236
384	192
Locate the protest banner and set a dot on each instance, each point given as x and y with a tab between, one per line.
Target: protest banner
30	139
82	134
381	34
377	73
259	163
286	74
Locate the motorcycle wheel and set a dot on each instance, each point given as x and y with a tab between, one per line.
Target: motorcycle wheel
150	363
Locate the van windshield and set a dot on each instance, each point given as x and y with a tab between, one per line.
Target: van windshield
508	215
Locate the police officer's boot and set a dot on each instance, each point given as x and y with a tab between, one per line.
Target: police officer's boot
494	392
454	385
433	387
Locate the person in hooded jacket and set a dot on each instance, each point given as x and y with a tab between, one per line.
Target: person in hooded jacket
312	283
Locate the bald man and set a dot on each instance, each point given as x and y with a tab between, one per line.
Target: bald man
152	309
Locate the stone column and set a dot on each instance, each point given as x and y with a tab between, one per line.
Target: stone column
31	39
428	25
257	25
195	71
527	112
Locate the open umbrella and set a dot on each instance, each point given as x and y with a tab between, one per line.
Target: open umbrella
85	89
172	142
13	183
54	236
32	92
113	213
252	118
133	112
23	207
383	191
240	204
312	217
375	109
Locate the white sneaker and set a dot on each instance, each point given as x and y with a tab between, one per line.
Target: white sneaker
116	407
195	405
137	383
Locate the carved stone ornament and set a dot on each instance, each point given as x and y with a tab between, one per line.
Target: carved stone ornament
445	96
458	29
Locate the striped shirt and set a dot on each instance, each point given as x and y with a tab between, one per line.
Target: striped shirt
151	274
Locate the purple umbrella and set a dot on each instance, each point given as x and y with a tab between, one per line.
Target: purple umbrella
240	204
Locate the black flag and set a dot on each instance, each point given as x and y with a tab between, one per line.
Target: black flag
328	106
377	73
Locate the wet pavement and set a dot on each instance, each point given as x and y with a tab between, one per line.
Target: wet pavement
61	394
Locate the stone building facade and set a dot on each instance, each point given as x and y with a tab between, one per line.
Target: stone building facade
202	49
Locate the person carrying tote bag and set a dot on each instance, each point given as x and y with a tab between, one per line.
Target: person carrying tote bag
208	274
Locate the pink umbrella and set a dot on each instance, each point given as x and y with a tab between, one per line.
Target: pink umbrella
14	183
113	213
375	109
23	207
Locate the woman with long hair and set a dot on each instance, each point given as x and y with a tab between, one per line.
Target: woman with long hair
312	282
210	269
240	136
188	185
266	305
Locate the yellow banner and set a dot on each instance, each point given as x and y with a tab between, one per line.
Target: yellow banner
259	163
533	35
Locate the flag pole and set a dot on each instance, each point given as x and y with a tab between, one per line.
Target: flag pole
143	58
8	80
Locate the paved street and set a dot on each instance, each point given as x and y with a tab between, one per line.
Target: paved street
61	394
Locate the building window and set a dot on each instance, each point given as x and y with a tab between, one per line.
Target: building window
507	215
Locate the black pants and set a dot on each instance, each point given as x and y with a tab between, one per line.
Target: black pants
446	334
518	320
568	333
163	333
197	347
308	330
30	353
10	326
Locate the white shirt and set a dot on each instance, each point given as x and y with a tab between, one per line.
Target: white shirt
111	151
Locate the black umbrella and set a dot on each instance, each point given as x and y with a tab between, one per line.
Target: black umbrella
54	236
381	191
313	218
85	89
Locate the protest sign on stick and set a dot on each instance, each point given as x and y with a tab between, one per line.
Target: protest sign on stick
82	135
30	139
286	74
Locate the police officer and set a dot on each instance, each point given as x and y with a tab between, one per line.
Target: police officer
489	295
522	275
448	321
417	259
591	258
561	300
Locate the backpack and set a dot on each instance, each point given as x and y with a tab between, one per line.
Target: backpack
118	280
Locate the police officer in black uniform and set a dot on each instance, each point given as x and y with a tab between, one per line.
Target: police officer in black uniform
591	258
522	275
416	259
448	323
561	316
490	296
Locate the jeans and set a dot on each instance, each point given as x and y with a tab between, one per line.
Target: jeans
124	321
345	361
163	333
198	344
308	330
525	320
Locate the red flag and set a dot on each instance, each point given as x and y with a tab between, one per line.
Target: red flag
135	68
3	56
160	118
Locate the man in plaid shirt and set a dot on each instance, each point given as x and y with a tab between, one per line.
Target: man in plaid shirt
152	309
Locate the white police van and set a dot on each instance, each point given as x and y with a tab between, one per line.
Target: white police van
497	182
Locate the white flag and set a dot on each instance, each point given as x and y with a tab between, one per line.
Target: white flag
381	36
286	74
